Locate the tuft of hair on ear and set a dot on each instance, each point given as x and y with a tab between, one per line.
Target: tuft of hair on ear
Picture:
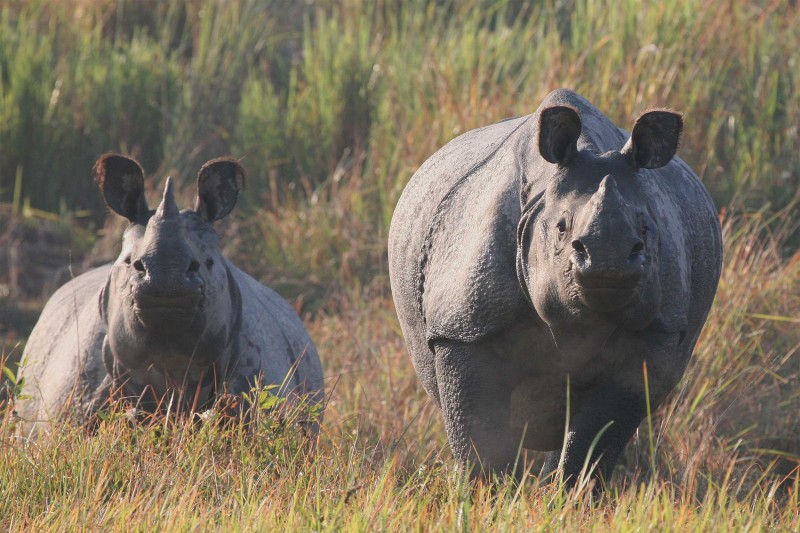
121	181
233	165
673	127
126	165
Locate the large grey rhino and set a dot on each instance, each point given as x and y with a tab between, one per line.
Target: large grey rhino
171	314
547	261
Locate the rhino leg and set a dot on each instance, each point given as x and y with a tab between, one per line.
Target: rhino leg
475	401
550	467
610	409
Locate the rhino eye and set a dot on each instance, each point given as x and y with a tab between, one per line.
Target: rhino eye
645	229
561	226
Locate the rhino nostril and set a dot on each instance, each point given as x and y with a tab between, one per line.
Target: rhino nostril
139	266
577	245
194	266
637	248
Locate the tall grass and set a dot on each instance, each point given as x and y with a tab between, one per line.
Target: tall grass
309	92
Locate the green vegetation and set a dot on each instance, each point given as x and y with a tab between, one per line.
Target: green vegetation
333	105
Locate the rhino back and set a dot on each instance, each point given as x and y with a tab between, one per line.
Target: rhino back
598	133
62	355
273	341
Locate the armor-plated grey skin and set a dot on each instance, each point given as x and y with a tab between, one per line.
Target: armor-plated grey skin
545	250
170	314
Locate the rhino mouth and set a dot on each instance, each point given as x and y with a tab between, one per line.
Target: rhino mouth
607	282
166	312
606	292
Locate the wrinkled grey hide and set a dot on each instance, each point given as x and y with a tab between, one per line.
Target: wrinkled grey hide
550	249
171	314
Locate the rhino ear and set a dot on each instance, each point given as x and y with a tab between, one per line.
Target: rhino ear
121	179
218	186
559	129
654	139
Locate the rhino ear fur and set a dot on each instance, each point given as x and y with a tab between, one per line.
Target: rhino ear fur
559	129
218	186
121	179
654	139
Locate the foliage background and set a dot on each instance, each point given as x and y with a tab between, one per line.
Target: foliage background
333	105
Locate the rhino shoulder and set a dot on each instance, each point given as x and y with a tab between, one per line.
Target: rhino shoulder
443	173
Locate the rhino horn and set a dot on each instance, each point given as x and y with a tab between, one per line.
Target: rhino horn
608	206
608	194
168	208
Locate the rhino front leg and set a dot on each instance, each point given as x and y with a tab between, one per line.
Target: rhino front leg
475	404
613	413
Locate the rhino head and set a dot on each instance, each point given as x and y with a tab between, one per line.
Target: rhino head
589	242
171	307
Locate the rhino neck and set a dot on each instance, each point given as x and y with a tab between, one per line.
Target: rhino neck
157	391
192	372
152	388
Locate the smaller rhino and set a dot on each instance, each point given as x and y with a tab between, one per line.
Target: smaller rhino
171	314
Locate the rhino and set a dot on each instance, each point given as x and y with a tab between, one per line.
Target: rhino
551	274
171	314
